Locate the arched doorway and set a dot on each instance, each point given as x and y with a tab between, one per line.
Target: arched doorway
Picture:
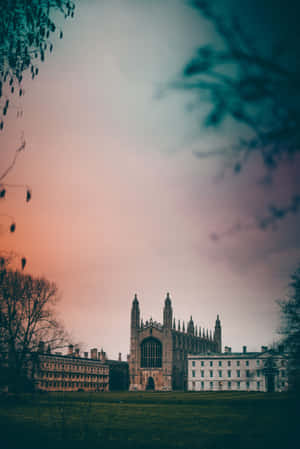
150	384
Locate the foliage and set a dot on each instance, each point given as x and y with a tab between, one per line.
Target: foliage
27	318
262	93
290	312
26	30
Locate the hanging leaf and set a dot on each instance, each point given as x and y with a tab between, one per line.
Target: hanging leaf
28	195
12	227
2	193
23	262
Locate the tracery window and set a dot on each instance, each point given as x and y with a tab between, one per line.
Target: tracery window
151	353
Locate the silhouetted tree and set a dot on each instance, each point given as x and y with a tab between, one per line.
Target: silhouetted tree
27	318
290	314
239	81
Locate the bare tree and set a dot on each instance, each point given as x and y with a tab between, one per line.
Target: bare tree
27	318
261	92
290	329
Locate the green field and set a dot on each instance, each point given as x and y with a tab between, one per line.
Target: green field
149	420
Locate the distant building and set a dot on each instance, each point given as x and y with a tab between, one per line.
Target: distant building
158	352
56	372
238	371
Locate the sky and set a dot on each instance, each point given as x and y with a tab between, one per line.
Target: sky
120	204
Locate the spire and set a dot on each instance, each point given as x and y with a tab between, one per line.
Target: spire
190	326
174	323
183	327
210	335
168	312
218	334
135	313
196	330
178	327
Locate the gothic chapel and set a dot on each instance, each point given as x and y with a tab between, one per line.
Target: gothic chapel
158	352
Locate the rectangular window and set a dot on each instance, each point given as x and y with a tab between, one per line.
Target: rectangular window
220	373
229	384
229	363
211	373
238	363
238	373
229	373
220	363
247	362
202	384
238	384
193	385
211	384
257	362
193	363
248	385
202	363
258	373
283	373
202	373
210	363
258	385
247	373
193	373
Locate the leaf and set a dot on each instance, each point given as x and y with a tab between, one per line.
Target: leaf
2	193
23	262
28	195
12	227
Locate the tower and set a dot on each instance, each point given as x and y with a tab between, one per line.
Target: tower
135	314
190	327
168	312
134	346
218	334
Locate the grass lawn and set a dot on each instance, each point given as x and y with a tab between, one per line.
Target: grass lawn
149	420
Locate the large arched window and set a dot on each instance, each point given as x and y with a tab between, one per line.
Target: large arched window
151	353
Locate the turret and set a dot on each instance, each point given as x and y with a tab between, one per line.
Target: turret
190	327
135	314
218	334
168	313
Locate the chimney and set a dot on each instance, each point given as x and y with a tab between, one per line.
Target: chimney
120	357
94	354
70	349
244	349
226	349
264	348
86	355
77	352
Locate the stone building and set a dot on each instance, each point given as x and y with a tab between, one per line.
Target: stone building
158	352
71	372
239	371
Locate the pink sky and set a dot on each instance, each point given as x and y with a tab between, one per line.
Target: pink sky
120	204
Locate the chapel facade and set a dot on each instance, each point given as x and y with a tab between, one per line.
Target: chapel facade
158	352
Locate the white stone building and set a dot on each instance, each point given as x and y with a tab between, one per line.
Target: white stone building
238	371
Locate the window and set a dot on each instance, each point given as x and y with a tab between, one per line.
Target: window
202	373
248	385
211	373
151	353
258	373
210	363
238	384
258	385
247	362
229	363
257	362
283	373
211	384
229	373
247	373
220	363
193	385
238	373
193	373
220	373
229	384
202	384
237	363
202	363
193	363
